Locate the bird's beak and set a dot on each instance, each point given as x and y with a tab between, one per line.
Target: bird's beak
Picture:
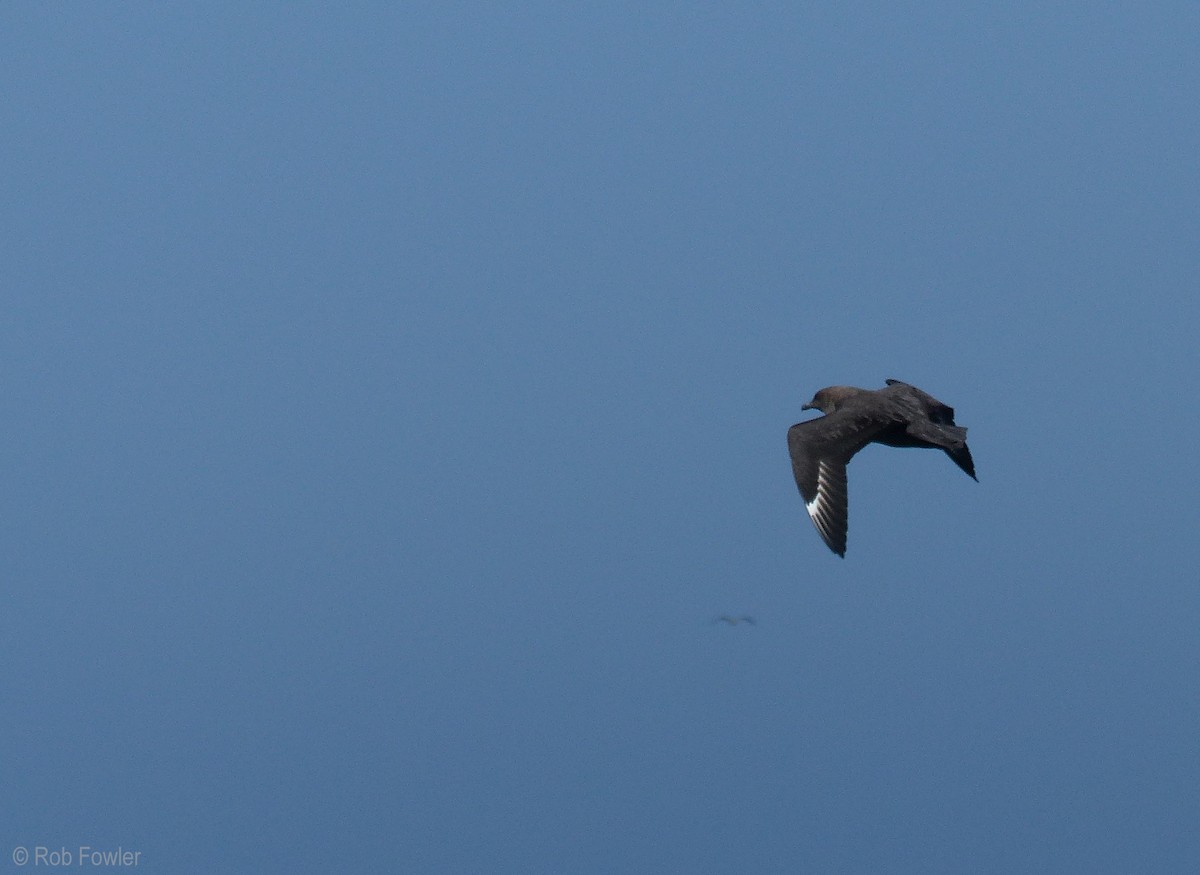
806	407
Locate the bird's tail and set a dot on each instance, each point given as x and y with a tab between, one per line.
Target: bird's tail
952	439
956	448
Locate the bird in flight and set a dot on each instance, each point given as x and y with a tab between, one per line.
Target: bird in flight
898	415
733	621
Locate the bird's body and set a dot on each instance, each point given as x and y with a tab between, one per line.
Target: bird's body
899	415
733	621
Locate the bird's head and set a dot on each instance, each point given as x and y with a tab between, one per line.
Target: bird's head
831	397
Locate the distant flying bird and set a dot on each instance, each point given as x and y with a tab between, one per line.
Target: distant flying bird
897	416
733	621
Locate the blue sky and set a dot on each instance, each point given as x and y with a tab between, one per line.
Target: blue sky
394	394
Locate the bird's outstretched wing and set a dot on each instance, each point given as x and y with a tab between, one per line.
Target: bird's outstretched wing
820	449
920	403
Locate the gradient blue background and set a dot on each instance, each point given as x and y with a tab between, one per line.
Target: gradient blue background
394	394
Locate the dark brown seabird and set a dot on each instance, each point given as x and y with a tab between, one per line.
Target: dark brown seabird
899	415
